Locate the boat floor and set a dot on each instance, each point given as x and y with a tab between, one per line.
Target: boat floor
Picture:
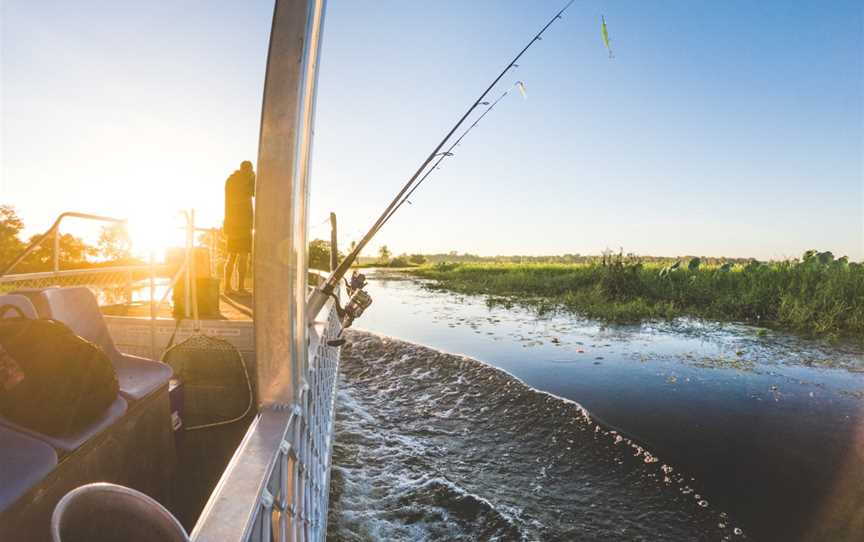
231	307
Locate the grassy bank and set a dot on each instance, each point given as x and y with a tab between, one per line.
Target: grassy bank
818	295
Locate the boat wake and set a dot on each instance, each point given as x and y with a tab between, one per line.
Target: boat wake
433	446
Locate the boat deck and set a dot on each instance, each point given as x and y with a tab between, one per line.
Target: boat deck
231	307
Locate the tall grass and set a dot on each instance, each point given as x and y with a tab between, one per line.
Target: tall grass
817	295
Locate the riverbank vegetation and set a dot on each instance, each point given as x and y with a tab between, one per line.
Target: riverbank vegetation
817	294
319	257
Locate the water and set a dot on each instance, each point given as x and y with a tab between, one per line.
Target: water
764	429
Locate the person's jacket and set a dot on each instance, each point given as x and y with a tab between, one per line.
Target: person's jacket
239	191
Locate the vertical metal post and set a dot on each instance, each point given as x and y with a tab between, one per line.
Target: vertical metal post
281	189
187	291
334	249
152	307
193	270
298	480
129	279
213	252
57	248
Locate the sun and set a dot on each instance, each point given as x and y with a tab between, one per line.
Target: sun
154	233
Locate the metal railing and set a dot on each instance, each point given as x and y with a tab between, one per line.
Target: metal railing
54	233
277	485
113	284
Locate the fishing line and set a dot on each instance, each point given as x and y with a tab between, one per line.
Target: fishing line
446	154
319	297
319	224
538	37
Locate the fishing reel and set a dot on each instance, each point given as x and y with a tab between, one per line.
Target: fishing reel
358	301
358	282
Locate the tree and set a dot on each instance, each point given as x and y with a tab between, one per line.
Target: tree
384	254
10	227
73	252
319	255
418	259
114	242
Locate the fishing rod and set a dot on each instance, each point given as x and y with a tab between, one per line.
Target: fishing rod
320	294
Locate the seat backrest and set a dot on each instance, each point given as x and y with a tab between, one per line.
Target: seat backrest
77	308
19	301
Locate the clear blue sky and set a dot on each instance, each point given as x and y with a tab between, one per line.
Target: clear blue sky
721	128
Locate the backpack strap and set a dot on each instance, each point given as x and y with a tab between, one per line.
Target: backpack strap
7	307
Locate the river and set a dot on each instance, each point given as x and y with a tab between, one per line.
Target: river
764	429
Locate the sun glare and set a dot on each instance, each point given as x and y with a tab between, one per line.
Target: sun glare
156	233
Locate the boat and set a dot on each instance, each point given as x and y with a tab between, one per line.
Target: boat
142	471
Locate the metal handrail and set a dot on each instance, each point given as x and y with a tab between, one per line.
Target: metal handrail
186	269
55	231
19	277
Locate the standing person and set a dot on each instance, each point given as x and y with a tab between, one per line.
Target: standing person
239	191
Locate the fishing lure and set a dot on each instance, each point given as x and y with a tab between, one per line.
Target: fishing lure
604	32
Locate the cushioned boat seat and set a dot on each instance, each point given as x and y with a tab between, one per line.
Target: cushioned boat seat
77	308
20	301
70	443
24	461
139	377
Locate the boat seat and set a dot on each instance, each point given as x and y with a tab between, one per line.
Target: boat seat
77	308
70	443
20	301
24	462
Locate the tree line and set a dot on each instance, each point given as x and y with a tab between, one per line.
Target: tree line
112	248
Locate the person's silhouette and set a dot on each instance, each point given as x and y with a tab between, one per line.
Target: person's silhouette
239	191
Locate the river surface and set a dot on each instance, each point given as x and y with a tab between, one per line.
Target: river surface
737	432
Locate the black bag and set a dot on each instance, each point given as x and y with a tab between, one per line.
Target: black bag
51	380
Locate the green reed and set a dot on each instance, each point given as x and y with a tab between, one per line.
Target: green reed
817	294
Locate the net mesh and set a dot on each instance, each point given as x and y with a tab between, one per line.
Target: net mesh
216	384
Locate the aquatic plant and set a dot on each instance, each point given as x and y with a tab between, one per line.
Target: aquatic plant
817	294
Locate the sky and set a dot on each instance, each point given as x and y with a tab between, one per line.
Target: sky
719	129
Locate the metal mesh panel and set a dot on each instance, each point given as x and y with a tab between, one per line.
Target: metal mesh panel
112	285
293	505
